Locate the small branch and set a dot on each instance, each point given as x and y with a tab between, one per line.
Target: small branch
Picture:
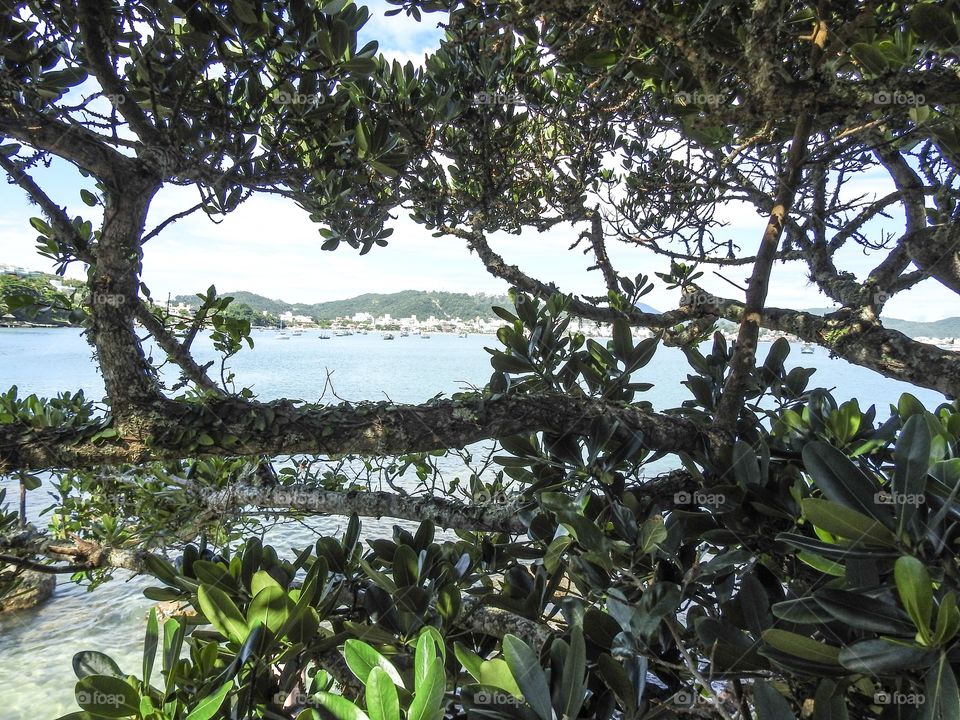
315	501
744	355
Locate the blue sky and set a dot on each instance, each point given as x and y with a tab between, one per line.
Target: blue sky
269	245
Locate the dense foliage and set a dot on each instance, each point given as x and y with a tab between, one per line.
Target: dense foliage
765	550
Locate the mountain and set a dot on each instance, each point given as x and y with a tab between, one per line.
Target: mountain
945	328
399	304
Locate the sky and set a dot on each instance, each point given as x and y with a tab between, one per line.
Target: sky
269	246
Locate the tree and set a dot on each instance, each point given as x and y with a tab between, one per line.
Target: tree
798	551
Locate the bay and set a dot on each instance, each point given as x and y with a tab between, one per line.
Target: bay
36	646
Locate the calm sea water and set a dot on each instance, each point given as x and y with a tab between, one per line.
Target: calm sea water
36	646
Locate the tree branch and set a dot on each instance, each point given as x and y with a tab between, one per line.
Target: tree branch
235	427
443	512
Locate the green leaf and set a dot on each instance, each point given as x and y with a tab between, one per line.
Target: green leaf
843	522
340	707
912	459
622	339
88	197
428	698
262	579
469	659
908	405
652	533
881	657
948	619
837	551
829	702
107	696
362	658
746	469
801	646
92	662
423	657
150	643
617	679
383	168
222	613
600	59
525	666
840	480
270	607
864	613
209	706
803	611
770	704
869	58
381	695
941	698
363	66
496	673
916	592
574	685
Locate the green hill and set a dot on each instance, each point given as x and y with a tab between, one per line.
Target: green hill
399	304
945	328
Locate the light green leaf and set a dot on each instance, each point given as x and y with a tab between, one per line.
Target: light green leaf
846	523
381	695
340	707
428	699
916	592
222	613
209	706
362	658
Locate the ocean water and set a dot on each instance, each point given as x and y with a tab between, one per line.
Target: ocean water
37	645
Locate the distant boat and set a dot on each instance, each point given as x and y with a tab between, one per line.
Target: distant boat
463	334
404	333
324	336
388	336
297	333
425	336
283	336
807	349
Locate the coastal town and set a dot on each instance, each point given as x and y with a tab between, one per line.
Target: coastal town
15	280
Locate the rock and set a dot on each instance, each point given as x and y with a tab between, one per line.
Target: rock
174	609
33	589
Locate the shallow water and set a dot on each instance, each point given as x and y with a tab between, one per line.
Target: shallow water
36	646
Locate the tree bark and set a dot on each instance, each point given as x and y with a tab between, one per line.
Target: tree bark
233	427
